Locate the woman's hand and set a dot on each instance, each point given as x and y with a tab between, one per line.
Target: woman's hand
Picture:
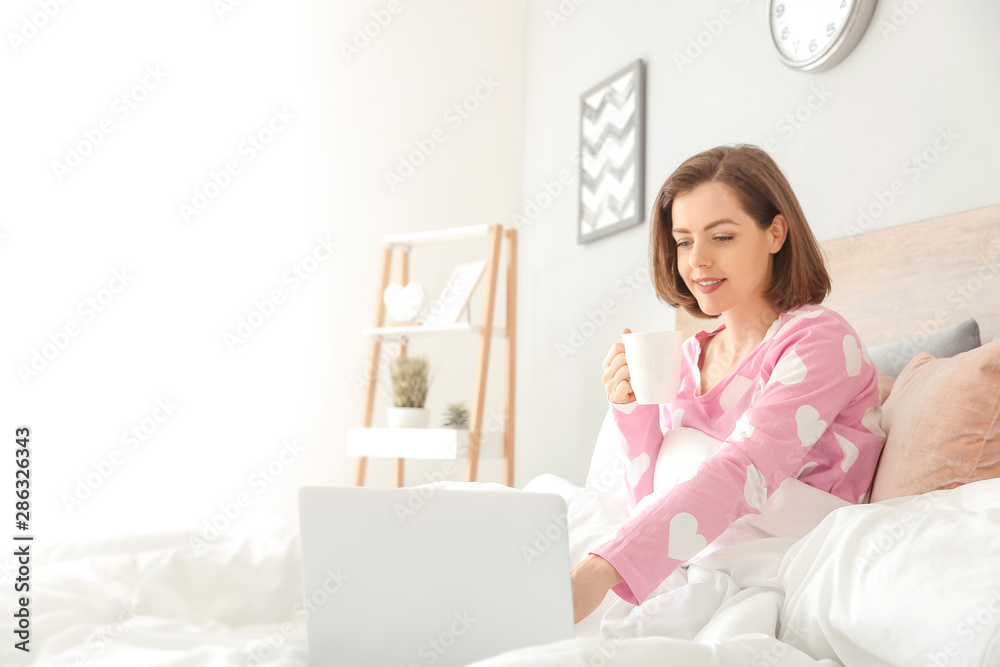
592	578
616	376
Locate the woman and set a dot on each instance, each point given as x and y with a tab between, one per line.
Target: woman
783	384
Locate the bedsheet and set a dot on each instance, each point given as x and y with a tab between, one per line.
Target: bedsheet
912	581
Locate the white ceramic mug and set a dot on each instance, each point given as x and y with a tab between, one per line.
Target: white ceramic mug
654	364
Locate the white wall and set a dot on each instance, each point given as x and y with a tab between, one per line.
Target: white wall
882	105
112	273
245	424
397	95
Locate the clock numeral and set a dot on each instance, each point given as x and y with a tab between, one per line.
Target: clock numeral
785	33
843	3
796	45
779	11
830	29
812	45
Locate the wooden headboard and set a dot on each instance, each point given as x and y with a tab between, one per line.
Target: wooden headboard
905	281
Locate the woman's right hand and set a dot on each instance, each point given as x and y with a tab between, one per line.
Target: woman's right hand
616	377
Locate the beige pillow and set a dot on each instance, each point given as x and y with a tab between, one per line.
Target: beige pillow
942	424
885	382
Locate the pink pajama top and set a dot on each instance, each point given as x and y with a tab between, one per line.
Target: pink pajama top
804	404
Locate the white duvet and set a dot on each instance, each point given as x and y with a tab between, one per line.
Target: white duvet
811	581
911	581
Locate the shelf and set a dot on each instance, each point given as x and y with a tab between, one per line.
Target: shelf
447	443
382	333
436	235
418	443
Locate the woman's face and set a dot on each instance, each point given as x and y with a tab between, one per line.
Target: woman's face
717	241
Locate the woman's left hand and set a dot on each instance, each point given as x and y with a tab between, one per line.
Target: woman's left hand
592	578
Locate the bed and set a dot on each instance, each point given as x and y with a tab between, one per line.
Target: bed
909	578
910	575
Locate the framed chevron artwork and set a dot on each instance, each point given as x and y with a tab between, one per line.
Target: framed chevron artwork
612	154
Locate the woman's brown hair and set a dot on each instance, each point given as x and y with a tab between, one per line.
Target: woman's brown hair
799	274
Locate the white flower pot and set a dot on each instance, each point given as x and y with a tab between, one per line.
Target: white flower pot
408	417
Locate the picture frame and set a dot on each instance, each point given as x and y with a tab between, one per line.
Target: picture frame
455	295
612	154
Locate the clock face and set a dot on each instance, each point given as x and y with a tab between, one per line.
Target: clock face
804	31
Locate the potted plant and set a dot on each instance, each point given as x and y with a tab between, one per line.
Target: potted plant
456	415
410	378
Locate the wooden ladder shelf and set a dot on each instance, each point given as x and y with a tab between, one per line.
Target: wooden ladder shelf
442	443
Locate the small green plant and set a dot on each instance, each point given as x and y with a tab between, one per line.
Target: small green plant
457	415
410	377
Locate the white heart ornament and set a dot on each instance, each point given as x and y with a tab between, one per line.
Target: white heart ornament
403	303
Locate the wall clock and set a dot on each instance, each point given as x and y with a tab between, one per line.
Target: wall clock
817	34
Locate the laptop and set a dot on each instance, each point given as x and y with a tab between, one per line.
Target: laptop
414	576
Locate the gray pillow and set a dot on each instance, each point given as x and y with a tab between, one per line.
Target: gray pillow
892	358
